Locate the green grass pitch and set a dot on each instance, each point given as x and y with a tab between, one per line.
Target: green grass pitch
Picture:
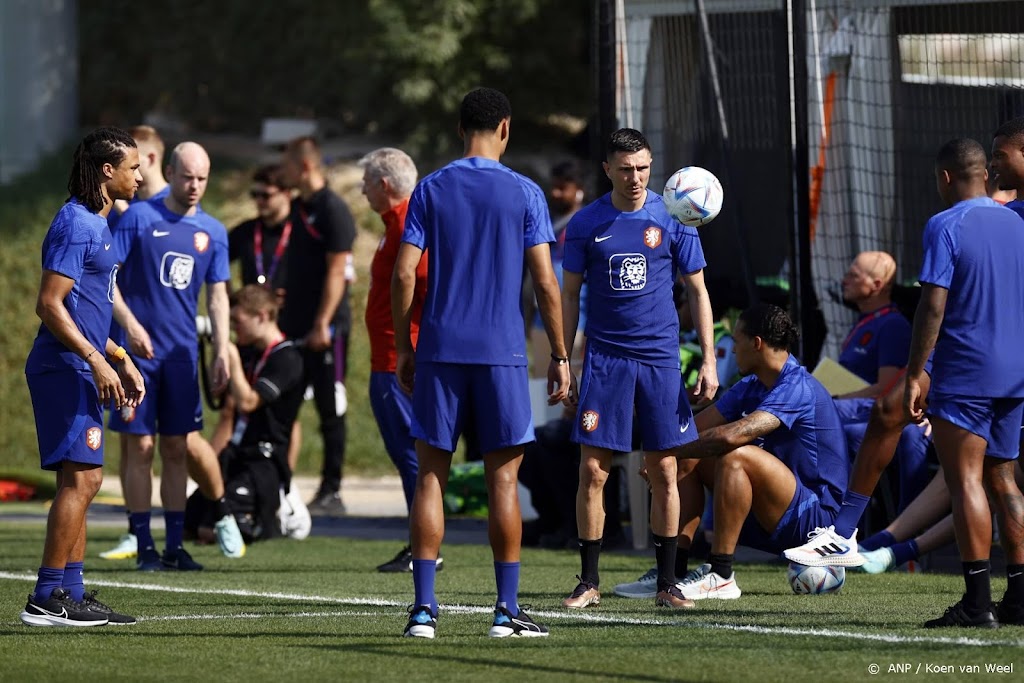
317	611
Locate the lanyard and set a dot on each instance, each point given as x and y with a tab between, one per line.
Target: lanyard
258	368
880	313
282	244
307	224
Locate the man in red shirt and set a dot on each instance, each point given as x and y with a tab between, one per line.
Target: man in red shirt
389	176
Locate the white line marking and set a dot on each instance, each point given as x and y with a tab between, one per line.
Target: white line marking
606	619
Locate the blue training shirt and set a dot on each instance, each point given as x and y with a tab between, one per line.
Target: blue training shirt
114	218
78	245
165	260
475	218
879	339
629	261
975	249
810	441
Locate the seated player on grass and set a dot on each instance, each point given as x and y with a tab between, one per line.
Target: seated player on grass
771	450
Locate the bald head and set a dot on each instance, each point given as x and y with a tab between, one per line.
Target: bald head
188	172
868	281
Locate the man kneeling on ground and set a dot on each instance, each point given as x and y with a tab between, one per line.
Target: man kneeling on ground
265	392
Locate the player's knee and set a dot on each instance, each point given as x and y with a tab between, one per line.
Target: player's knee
888	411
592	475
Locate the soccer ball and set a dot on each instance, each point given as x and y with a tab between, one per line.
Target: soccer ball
693	196
815	580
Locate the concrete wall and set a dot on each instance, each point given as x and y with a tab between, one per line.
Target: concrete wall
38	81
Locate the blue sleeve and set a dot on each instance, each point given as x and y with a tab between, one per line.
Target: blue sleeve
730	405
894	342
415	218
786	401
66	248
940	249
574	257
124	238
687	251
220	264
538	220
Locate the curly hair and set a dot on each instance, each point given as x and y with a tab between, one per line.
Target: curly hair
102	146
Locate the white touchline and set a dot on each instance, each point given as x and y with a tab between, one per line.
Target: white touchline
608	620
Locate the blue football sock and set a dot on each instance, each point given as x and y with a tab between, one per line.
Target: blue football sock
423	573
74	580
506	576
850	513
49	579
905	551
175	522
883	539
140	527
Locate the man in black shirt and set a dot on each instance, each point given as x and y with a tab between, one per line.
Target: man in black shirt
316	307
260	244
265	394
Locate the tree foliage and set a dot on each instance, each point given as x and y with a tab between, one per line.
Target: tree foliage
388	65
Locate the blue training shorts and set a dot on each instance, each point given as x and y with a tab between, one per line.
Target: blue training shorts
172	405
612	388
802	517
997	420
69	418
495	397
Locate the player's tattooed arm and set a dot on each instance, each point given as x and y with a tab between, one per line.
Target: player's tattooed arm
722	439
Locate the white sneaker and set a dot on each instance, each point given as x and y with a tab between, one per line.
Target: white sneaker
702	583
877	561
229	537
646	587
293	514
126	548
826	548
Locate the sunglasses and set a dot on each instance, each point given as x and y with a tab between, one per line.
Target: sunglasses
261	194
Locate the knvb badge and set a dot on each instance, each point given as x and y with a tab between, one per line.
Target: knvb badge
94	438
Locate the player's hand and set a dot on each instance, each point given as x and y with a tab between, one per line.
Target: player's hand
319	338
572	397
405	370
221	371
131	380
139	342
913	403
558	382
108	385
707	381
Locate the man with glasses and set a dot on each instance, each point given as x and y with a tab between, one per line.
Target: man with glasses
260	244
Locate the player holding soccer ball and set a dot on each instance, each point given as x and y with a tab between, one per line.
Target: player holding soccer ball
771	450
629	249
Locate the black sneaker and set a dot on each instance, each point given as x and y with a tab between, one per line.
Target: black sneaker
60	610
1010	613
180	559
327	504
113	618
402	562
957	615
148	560
422	623
520	626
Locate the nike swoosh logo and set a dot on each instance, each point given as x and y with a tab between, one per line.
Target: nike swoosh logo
161	233
972	572
1014	576
63	612
198	419
744	414
602	239
683	428
106	247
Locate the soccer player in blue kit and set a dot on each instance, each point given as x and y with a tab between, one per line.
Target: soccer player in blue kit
479	223
972	280
629	249
771	450
169	248
74	370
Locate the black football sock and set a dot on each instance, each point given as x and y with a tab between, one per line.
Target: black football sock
590	555
665	555
721	564
978	580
